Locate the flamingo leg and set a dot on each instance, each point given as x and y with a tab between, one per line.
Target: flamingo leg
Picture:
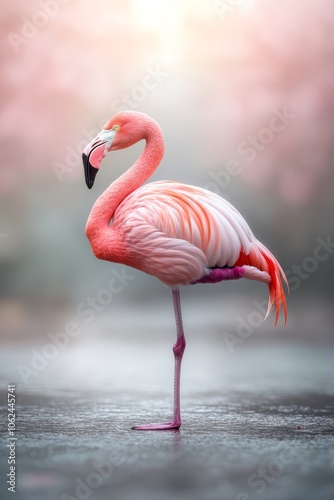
178	350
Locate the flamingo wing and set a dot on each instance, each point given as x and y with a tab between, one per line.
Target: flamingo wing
180	233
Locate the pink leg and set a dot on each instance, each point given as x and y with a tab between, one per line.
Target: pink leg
178	350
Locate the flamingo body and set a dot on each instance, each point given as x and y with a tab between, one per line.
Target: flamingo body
178	233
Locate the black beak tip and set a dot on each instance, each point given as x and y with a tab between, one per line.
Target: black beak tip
90	171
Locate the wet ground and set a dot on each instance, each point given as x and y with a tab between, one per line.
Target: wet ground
256	424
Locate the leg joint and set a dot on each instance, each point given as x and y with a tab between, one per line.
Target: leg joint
179	346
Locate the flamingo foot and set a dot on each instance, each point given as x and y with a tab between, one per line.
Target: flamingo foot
162	426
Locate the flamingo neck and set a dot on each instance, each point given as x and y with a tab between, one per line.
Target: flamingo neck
104	208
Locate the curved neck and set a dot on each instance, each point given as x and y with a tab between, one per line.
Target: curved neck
105	206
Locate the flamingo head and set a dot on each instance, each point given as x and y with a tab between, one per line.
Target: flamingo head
122	131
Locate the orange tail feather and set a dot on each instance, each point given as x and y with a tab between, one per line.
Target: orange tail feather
261	258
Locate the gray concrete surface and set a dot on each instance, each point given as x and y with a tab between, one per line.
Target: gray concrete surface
267	433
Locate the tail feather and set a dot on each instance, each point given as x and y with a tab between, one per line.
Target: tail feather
260	264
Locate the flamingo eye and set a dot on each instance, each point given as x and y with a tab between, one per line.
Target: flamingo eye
116	127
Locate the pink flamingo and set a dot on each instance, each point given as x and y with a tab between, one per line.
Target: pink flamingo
180	234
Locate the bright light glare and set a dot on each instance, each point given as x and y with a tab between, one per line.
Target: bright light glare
157	15
165	20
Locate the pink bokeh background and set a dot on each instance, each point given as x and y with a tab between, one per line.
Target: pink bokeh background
213	74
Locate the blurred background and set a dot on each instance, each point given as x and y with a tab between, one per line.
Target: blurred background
244	92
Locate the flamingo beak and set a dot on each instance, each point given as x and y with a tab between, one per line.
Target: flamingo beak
94	153
90	171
